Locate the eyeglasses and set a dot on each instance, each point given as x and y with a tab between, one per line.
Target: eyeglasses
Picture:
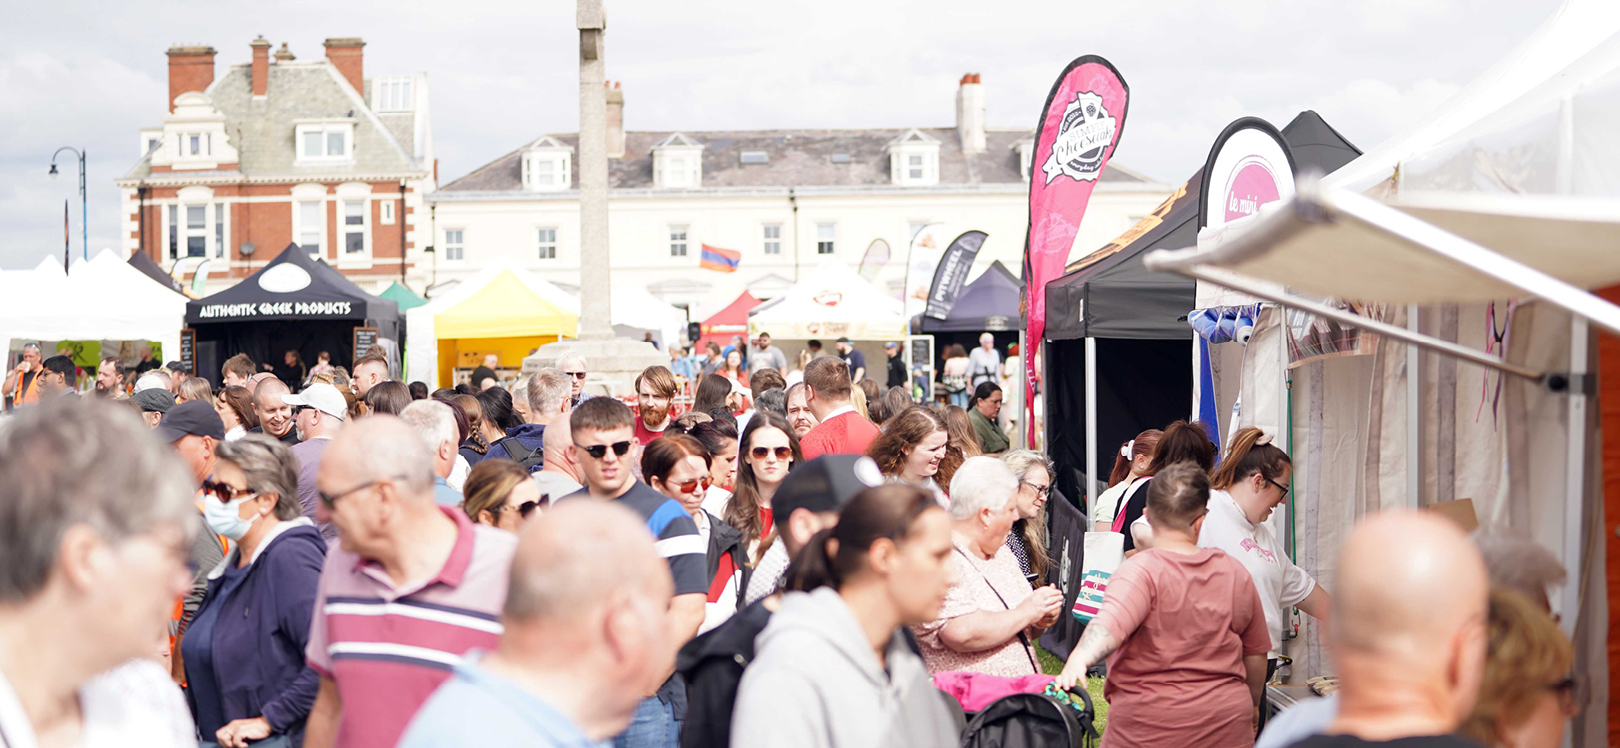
598	451
575	374
1280	487
526	508
225	492
782	453
330	499
693	485
1040	491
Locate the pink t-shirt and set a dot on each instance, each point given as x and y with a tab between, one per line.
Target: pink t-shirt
1185	623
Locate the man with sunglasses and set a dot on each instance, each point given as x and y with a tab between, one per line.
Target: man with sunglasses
604	444
410	587
572	365
318	413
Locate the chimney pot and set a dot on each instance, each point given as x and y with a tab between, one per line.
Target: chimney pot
615	121
284	54
345	54
261	66
191	68
970	117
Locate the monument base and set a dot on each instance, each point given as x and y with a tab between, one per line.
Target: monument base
611	365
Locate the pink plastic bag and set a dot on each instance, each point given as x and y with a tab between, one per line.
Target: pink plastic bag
976	691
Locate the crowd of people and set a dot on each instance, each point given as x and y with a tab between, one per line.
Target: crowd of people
355	563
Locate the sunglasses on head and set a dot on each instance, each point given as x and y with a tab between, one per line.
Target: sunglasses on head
694	485
782	453
598	451
224	491
574	374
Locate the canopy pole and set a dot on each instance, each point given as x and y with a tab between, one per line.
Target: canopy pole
1257	289
1574	476
1091	428
1414	413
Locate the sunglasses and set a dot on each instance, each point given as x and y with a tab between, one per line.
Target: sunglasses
598	451
694	485
575	374
782	453
224	491
526	508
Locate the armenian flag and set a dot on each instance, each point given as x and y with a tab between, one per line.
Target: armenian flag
720	260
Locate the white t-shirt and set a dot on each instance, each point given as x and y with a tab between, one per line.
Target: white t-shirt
1108	501
134	704
1280	583
715	500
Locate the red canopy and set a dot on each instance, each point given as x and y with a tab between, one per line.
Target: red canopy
733	320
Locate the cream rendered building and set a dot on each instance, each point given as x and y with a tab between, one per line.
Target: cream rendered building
786	200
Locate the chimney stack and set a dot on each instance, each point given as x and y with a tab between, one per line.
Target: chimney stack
970	114
284	54
261	66
191	68
615	121
345	55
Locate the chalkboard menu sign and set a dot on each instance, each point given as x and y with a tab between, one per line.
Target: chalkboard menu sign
364	339
188	350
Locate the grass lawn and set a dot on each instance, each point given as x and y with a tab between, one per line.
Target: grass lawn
1051	665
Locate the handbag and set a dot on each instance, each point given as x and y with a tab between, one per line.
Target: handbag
1104	552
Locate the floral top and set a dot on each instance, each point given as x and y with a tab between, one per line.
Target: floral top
993	585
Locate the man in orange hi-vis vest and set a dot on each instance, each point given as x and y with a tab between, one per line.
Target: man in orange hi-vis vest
194	428
22	384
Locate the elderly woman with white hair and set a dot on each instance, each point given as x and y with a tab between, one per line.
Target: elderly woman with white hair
991	617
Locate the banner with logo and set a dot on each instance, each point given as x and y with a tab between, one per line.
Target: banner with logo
1250	165
1077	134
877	256
927	246
952	273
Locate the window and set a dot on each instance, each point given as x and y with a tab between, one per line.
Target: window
914	166
354	226
826	237
151	145
386	208
453	247
323	142
311	224
677	241
174	232
772	233
219	229
755	157
195	141
547	243
841	158
391	94
196	231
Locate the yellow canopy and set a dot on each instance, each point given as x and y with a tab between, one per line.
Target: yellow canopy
504	308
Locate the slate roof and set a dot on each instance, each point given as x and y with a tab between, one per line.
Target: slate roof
797	158
263	131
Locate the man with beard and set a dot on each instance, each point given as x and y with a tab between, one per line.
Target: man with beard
110	379
655	393
275	415
799	414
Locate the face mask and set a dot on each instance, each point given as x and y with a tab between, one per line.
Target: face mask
225	518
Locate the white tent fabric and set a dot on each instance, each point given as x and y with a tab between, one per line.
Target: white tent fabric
635	311
1575	29
422	354
832	301
103	299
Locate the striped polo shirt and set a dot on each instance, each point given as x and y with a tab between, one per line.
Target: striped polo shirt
674	534
389	647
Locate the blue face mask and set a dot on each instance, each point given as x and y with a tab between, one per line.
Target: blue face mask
226	519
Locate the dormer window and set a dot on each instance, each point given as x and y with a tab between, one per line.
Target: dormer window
546	165
1026	156
677	163
914	159
193	137
325	142
392	94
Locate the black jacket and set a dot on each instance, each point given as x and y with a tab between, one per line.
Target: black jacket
897	372
712	666
725	539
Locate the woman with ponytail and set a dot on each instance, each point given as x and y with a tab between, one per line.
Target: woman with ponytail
1130	466
1180	442
1251	482
836	646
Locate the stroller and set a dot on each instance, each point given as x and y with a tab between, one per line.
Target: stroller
1033	720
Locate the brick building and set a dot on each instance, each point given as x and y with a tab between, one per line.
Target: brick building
280	151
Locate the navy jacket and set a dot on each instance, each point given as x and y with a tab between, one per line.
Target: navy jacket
262	630
530	435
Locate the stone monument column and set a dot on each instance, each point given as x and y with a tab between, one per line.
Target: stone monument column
613	363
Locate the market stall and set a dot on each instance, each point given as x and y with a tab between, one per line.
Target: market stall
294	302
149	267
112	302
503	310
731	320
987	304
831	302
636	313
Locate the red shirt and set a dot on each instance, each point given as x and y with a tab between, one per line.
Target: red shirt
848	433
646	435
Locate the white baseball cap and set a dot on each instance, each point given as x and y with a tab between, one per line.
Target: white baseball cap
322	397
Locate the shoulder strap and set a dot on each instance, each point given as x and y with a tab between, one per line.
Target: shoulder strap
1029	651
523	456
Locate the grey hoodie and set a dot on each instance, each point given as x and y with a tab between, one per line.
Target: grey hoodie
815	683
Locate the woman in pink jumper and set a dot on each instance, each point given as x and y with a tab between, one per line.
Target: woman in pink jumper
1183	630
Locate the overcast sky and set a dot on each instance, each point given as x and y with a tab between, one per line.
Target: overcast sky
88	74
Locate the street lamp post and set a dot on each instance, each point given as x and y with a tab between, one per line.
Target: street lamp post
84	200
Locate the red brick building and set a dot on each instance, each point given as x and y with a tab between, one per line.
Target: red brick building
280	151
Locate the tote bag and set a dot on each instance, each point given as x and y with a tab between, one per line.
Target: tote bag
1104	551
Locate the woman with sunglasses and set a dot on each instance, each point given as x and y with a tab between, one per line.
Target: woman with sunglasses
677	466
500	494
769	450
1252	480
719	439
244	650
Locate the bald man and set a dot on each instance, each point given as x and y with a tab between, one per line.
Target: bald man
560	476
378	654
585	633
275	415
1407	630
